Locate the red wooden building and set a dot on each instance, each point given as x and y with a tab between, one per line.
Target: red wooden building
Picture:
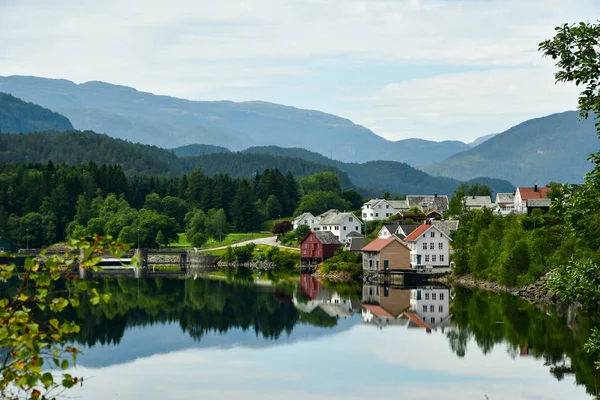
318	246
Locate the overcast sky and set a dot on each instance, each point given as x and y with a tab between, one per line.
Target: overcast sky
434	69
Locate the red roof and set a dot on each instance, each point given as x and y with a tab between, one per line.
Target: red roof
418	321
529	193
378	244
414	235
377	310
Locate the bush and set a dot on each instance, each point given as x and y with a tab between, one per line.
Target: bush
282	227
243	254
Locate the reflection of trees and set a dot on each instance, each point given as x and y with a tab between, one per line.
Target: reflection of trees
491	318
199	306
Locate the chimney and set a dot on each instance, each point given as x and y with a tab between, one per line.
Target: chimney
535	188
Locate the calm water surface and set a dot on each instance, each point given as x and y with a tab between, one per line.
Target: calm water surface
210	339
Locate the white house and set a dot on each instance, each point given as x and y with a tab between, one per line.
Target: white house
478	202
388	230
431	307
426	203
522	194
340	224
505	203
429	246
379	209
305	219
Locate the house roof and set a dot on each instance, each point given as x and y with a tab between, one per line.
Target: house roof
434	202
539	202
338	218
8	240
380	244
304	216
354	234
399	204
325	237
505	197
391	227
446	226
372	202
414	235
378	311
478	201
357	243
407	229
528	193
327	213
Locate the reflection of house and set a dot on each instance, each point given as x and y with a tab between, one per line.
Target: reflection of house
305	219
386	255
478	202
429	246
429	308
379	209
318	246
426	203
317	296
523	194
384	306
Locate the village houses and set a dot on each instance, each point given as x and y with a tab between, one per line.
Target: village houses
380	209
386	255
478	202
318	246
340	224
429	247
305	219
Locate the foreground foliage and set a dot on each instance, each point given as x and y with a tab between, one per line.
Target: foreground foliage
33	336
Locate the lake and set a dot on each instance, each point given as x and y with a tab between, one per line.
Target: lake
299	339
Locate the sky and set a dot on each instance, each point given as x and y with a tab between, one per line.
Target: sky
431	69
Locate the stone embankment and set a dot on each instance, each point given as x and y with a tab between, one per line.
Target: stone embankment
537	292
258	265
336	276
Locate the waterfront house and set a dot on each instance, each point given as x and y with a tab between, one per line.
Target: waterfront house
523	194
340	224
380	209
478	202
427	203
429	247
318	246
386	255
8	246
305	219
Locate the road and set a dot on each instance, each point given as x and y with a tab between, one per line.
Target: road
268	241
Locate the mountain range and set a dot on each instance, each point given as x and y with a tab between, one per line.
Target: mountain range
126	113
538	151
17	115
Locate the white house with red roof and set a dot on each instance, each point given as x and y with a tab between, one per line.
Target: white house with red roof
429	247
523	194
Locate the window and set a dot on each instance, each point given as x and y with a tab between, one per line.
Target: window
441	246
344	228
426	257
431	308
424	246
441	308
364	215
310	238
432	320
371	214
433	258
426	296
441	296
337	228
433	296
304	252
306	245
377	214
431	246
305	222
432	234
424	308
356	228
441	258
387	206
351	219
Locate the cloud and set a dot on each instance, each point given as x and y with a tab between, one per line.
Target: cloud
266	49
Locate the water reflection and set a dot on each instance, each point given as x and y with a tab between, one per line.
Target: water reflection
164	316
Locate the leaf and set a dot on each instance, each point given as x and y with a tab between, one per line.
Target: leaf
64	364
95	300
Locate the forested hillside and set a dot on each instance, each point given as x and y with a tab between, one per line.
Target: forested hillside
123	112
553	148
192	150
393	176
18	116
77	147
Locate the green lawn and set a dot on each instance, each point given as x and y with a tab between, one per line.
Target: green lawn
268	225
227	241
